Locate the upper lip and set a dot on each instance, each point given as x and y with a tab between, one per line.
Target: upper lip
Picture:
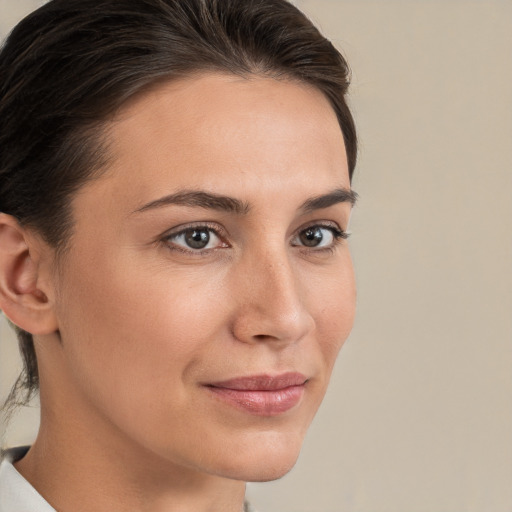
262	382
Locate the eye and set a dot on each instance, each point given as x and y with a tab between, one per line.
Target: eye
319	237
195	239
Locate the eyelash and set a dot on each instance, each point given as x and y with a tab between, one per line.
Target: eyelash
338	236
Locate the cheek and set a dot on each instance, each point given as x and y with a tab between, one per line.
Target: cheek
335	304
134	333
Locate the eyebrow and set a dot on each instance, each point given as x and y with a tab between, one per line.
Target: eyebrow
199	199
211	201
339	195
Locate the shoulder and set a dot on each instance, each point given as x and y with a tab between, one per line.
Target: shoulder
13	454
247	507
16	493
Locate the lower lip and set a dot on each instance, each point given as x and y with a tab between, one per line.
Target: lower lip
261	403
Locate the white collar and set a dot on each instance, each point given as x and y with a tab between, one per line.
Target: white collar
16	494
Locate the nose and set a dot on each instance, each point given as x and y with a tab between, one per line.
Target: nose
270	303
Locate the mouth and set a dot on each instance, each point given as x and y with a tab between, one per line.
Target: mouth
262	395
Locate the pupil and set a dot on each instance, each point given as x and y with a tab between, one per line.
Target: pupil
197	239
311	237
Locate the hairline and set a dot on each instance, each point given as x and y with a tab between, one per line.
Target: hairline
97	132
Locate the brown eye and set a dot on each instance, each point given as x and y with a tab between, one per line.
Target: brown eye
319	237
312	237
197	238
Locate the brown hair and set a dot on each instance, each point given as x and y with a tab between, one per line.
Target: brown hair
67	67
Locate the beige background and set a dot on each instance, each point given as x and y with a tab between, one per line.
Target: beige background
419	414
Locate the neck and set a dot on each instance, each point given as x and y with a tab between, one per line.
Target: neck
76	466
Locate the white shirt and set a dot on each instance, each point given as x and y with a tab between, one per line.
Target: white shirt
17	495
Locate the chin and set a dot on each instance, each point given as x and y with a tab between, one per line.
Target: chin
270	471
266	458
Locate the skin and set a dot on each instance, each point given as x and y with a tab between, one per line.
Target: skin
132	323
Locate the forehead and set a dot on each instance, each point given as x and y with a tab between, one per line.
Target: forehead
226	133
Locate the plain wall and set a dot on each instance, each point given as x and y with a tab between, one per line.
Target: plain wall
419	413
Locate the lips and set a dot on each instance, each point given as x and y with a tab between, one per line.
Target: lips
263	395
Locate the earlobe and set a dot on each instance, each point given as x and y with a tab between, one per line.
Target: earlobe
21	297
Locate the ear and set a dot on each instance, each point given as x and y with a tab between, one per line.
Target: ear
24	290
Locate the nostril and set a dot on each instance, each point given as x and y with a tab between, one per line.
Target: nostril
262	337
272	312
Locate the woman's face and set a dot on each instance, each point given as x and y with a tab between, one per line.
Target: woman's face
208	288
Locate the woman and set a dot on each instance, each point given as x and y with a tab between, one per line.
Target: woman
175	194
